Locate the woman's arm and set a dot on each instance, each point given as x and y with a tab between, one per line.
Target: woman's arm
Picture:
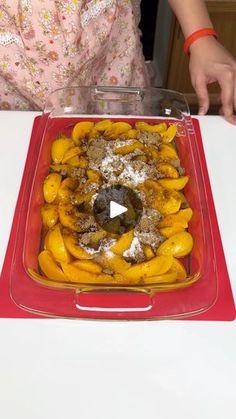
209	60
191	14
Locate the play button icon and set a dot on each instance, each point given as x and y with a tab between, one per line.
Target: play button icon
117	209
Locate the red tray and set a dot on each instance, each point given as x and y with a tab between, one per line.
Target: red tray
223	309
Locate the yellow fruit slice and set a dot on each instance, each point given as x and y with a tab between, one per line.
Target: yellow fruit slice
51	185
170	205
49	266
123	243
171	231
153	184
70	217
73	247
46	241
169	134
148	252
97	236
158	128
117	129
179	195
167	152
168	170
103	125
172	220
156	266
67	215
56	245
160	198
114	262
59	148
179	268
176	184
129	148
72	152
151	151
177	284
178	245
186	213
93	175
49	213
81	130
131	134
77	275
88	265
80	198
167	278
67	186
77	161
93	134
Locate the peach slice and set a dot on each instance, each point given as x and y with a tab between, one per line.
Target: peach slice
49	213
51	186
56	245
59	148
123	243
178	245
49	266
156	266
81	130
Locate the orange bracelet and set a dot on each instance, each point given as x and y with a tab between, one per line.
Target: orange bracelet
196	35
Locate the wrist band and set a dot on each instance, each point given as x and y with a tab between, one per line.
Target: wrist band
196	35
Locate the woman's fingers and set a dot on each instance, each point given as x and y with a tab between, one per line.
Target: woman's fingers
210	62
227	81
203	97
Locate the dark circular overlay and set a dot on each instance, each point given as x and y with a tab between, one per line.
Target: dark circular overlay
123	196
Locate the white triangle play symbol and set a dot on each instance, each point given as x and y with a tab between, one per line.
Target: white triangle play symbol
116	209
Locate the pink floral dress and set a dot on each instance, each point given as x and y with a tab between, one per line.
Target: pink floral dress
49	44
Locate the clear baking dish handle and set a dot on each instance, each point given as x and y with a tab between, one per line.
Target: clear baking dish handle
113	300
124	94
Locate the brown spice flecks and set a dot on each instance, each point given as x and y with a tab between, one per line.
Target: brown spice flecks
150	138
117	168
77	173
135	253
86	224
96	151
147	229
128	170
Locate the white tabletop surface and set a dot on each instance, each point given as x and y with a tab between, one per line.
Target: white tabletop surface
59	369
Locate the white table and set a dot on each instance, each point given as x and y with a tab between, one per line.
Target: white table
57	369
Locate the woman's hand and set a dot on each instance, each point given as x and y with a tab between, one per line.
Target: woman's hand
211	62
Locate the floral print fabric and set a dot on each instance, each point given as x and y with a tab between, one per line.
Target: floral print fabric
49	44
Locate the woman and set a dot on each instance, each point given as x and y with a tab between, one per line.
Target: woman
209	61
48	44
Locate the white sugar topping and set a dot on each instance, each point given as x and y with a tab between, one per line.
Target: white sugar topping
109	254
105	246
133	249
116	167
133	176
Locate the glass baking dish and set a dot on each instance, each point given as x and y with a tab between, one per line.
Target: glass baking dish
31	290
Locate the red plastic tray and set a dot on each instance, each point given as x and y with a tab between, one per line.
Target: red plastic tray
224	308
